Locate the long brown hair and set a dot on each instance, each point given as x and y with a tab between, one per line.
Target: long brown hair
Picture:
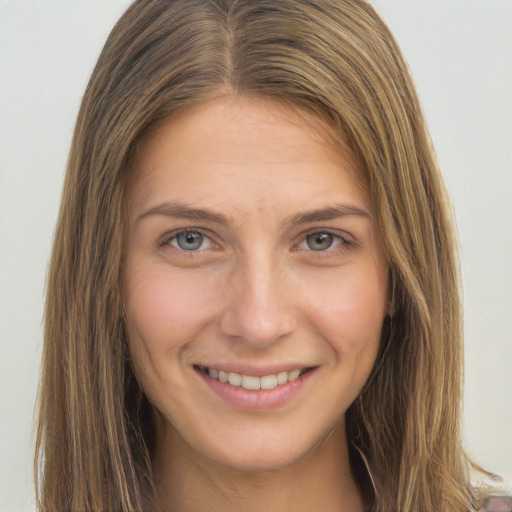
337	60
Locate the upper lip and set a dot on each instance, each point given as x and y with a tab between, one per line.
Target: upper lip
255	370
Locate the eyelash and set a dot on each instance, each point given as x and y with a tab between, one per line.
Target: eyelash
344	244
166	241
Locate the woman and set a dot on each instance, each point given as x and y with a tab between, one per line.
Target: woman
253	297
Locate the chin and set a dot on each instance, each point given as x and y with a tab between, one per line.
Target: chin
260	463
270	452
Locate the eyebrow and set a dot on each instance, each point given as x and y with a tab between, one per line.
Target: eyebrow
330	213
185	211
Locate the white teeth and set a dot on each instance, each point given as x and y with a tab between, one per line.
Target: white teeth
282	378
293	375
235	379
268	382
252	382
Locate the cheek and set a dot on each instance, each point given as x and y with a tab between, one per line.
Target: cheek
349	308
165	307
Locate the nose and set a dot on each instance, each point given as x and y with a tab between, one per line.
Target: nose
260	306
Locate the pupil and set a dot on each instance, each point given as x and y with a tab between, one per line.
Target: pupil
189	241
319	241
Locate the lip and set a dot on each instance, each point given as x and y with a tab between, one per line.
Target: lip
260	400
255	371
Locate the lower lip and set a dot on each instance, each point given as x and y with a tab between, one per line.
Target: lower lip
257	400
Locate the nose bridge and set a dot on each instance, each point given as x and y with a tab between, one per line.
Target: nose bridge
260	309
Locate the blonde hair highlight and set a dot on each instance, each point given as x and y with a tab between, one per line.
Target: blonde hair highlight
337	60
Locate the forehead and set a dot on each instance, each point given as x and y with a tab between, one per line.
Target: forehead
231	141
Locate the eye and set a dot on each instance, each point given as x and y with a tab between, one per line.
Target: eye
321	241
190	241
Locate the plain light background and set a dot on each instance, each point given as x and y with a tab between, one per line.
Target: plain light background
460	55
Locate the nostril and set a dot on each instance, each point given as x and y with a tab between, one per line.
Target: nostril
256	330
260	309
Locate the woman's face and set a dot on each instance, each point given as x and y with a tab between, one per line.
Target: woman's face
252	257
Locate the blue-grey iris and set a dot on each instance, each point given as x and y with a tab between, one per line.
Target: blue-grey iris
190	240
319	241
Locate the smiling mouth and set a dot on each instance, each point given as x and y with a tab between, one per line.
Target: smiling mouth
253	382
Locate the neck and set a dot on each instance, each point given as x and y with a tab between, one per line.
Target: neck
188	481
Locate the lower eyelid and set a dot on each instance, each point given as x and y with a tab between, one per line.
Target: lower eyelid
342	241
168	239
206	240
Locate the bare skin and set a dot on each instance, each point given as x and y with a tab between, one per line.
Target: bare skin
252	257
319	481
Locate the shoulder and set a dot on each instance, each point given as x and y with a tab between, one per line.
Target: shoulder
497	502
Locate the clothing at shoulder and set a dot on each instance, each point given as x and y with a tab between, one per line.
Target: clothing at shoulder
499	502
